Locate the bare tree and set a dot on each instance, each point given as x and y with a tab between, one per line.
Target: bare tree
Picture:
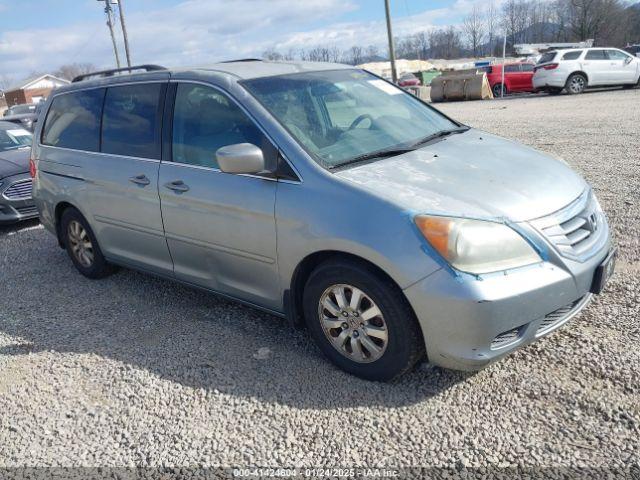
474	27
72	70
272	54
492	23
354	56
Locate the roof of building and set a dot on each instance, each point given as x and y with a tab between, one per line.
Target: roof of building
24	84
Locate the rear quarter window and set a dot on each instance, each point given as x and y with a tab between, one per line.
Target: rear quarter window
73	121
572	55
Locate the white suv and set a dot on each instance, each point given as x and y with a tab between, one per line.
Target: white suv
575	70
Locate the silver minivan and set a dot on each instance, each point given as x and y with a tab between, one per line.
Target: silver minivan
326	195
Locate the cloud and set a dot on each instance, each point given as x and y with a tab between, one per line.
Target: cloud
200	32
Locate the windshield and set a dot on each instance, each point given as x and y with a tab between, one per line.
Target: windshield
13	138
338	116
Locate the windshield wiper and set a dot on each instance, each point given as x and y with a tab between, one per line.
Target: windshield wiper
439	134
392	152
389	152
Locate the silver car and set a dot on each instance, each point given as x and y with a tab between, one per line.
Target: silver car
326	195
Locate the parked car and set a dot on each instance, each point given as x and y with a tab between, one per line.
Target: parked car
323	194
24	115
517	78
633	50
408	80
15	182
575	70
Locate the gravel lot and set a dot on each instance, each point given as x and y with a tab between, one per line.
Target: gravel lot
136	371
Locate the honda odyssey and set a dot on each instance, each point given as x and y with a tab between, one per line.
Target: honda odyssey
326	195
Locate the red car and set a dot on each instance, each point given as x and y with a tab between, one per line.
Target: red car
517	78
408	80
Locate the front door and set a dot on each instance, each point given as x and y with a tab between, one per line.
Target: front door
623	68
220	227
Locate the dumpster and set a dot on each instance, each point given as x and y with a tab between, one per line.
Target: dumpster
460	85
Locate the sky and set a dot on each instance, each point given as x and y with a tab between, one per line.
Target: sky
41	35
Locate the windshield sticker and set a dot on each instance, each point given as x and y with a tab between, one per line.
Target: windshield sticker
385	87
18	132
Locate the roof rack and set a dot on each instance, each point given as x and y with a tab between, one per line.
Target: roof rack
244	60
112	72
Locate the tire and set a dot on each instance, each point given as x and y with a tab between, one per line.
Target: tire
576	83
497	88
82	246
404	345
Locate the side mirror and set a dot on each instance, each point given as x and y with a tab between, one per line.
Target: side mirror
240	158
627	60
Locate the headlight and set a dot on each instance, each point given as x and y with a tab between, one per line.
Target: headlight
476	246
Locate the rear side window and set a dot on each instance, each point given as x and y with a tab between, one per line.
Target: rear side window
526	67
511	68
572	55
73	121
131	120
547	57
595	55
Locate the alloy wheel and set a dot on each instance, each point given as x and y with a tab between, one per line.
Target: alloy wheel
577	84
353	323
80	243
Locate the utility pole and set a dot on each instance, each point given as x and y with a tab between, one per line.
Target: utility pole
392	50
124	33
109	11
504	59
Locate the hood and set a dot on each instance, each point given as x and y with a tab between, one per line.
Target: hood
20	117
14	162
472	174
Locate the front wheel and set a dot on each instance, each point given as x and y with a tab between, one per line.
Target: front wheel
576	83
361	321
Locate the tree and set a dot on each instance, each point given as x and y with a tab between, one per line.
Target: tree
354	56
473	27
491	21
72	70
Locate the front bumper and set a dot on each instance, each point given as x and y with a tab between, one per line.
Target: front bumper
469	322
15	205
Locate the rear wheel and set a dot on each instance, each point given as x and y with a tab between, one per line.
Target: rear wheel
498	90
361	321
82	246
576	83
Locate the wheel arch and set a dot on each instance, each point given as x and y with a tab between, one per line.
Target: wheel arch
57	216
580	72
293	296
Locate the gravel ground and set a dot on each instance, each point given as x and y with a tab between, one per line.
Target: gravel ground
136	371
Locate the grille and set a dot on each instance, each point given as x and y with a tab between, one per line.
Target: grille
557	317
30	210
575	230
19	190
506	338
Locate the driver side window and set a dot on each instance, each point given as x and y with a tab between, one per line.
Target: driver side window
205	120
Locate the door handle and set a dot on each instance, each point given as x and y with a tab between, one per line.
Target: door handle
141	180
177	186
